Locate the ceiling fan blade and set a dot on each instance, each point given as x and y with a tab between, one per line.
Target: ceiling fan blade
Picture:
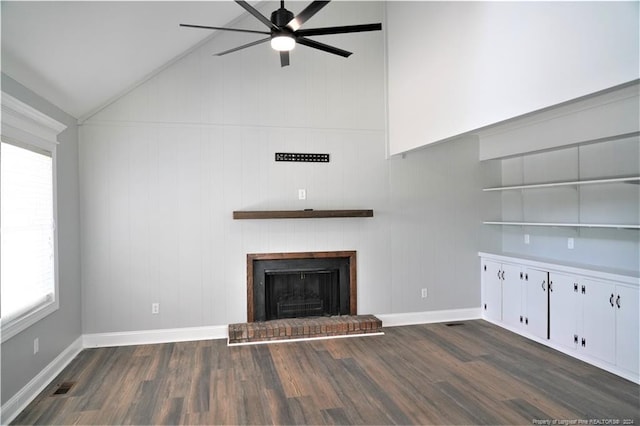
244	46
284	59
321	46
257	14
225	29
306	14
339	30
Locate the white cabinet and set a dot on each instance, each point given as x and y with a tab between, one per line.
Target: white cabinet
492	290
563	310
525	300
512	295
584	316
596	336
627	328
537	302
496	277
591	315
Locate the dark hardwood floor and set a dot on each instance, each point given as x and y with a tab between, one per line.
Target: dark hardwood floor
474	373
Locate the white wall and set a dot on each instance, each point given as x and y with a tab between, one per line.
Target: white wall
163	168
458	66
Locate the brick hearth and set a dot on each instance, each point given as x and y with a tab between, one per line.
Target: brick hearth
300	328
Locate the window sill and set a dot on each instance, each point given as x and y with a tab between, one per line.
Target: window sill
22	323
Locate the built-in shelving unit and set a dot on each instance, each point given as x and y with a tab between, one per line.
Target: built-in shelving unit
577	183
300	214
566	225
630	179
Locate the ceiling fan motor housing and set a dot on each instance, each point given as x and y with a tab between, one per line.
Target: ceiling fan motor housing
281	17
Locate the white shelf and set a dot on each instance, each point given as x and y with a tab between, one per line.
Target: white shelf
567	183
566	225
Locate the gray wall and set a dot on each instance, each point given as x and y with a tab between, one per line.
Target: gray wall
57	331
163	168
437	206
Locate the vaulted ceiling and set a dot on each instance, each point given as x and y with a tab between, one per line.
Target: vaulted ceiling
81	54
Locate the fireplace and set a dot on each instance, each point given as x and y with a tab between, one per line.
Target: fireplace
295	285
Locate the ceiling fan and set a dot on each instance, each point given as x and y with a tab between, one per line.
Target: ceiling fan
285	30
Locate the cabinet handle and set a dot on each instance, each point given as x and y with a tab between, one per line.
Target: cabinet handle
526	277
502	275
584	290
526	321
485	306
485	268
575	287
520	318
618	301
521	275
551	286
584	342
611	300
499	274
575	339
543	283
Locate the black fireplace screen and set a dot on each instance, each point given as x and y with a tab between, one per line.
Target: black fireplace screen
300	288
302	293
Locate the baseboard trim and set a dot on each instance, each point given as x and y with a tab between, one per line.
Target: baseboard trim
413	318
149	337
31	390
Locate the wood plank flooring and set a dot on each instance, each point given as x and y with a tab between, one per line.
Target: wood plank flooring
474	373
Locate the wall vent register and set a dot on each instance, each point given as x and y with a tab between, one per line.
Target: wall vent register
302	157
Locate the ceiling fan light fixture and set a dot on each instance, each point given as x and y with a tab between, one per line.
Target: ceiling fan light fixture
283	43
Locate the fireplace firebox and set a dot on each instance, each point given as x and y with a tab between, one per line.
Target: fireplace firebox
295	285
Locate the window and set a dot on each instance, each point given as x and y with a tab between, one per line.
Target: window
28	254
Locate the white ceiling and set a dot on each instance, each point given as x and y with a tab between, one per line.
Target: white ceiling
79	55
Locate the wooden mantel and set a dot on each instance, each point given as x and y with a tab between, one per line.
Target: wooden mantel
300	214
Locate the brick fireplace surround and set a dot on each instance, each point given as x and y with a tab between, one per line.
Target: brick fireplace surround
308	327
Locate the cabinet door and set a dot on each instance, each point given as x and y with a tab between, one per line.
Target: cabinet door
598	320
627	329
491	290
537	308
563	309
512	295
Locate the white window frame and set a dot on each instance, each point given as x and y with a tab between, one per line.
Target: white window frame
23	125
